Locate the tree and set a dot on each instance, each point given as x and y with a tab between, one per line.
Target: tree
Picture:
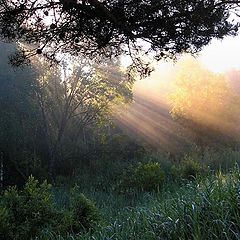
205	105
72	103
112	27
19	119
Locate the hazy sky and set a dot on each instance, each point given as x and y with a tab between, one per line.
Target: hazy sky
220	56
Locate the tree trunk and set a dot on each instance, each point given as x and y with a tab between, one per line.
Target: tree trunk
1	170
54	153
52	167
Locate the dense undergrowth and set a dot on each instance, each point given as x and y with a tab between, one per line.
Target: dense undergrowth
206	209
26	213
154	199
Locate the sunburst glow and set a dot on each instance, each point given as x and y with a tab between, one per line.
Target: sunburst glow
194	91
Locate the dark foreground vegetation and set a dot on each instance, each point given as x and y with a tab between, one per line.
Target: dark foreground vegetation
154	199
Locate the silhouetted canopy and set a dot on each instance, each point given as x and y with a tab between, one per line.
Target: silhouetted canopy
108	28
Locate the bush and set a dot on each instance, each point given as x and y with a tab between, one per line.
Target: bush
85	213
144	177
25	214
188	169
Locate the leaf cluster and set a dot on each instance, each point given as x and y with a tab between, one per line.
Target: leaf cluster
113	27
25	214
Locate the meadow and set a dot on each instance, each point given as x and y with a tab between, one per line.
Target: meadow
130	201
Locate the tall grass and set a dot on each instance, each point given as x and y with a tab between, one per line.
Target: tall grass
207	208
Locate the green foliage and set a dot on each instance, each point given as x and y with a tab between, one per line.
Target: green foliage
88	100
164	159
24	214
145	177
121	146
206	209
224	158
85	213
196	90
5	220
188	169
20	120
35	132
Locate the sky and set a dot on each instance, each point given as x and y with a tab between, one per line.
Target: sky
218	56
222	55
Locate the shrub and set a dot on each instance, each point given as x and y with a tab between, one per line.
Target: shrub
188	169
85	213
25	214
144	177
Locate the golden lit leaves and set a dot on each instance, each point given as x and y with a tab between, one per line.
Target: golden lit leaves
202	101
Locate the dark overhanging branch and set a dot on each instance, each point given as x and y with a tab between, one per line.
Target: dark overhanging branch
123	29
